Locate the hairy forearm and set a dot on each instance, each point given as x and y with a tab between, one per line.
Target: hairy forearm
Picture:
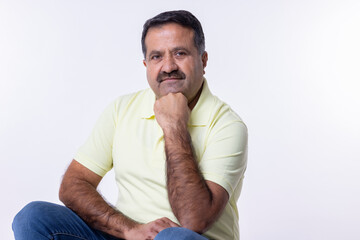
189	195
195	202
82	198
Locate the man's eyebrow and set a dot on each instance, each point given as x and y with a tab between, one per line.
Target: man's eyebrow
158	52
154	52
180	49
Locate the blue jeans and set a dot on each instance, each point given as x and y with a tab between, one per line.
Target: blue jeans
45	221
178	233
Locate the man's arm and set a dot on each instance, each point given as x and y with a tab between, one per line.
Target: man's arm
195	202
78	192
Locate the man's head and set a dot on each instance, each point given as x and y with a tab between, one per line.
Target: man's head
174	53
181	17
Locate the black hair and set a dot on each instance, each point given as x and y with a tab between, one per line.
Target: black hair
182	17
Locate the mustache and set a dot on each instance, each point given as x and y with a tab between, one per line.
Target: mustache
174	74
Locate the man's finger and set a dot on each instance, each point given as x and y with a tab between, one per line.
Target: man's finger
169	222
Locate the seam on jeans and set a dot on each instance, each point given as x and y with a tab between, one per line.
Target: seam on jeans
67	234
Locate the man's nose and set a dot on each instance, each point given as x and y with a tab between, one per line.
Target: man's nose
169	65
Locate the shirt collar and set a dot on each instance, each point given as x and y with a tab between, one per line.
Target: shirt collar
199	115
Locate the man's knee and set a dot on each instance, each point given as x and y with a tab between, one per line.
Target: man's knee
178	233
31	216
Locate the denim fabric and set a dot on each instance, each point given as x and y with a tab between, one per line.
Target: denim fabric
44	221
48	221
178	233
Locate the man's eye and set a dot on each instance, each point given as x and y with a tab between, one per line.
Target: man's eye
180	53
155	57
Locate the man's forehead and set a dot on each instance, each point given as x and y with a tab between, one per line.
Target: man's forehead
169	27
169	36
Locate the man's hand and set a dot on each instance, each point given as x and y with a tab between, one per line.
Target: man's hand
149	230
172	112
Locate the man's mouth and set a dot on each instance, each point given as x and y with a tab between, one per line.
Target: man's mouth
170	79
173	76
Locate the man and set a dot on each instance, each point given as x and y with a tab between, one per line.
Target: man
178	152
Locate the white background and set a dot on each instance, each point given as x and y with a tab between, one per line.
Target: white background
290	69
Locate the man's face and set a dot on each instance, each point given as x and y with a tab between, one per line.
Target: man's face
173	63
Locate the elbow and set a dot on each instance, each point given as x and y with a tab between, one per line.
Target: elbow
63	194
199	226
199	222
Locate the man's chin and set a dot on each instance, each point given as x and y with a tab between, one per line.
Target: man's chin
172	91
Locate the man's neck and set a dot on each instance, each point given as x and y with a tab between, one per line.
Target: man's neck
193	102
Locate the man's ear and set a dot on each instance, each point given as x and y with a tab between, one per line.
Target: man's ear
144	62
204	59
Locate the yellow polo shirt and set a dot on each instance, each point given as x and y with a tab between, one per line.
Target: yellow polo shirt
128	138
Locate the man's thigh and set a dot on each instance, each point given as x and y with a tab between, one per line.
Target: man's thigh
43	220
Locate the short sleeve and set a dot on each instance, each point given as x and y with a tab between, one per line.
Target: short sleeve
225	157
96	153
